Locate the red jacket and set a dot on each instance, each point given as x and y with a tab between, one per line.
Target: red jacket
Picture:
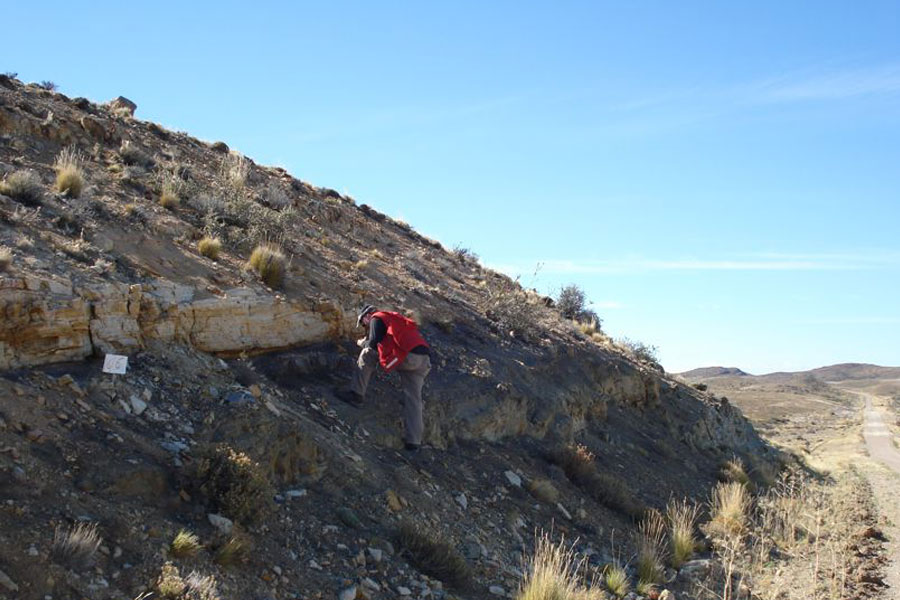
401	337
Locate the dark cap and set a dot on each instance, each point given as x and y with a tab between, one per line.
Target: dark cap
367	309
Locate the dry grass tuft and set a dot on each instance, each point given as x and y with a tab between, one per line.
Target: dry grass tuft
269	263
6	258
75	547
616	580
580	467
554	573
69	175
201	587
434	556
210	247
234	551
650	541
728	509
234	484
24	186
733	471
544	491
682	518
185	544
235	169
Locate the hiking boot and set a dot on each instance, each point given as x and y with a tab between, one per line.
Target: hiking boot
349	396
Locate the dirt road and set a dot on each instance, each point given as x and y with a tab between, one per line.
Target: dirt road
883	474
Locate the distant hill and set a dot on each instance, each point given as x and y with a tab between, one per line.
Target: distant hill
705	372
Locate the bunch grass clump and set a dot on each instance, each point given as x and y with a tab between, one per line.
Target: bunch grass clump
234	551
210	247
269	263
169	584
24	186
651	547
616	580
553	573
728	509
69	174
682	518
75	547
433	555
185	544
733	471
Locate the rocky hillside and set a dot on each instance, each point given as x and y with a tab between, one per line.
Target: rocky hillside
225	425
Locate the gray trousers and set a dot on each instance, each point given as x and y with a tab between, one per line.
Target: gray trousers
413	371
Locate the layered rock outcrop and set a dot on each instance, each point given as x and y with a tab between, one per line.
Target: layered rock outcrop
48	320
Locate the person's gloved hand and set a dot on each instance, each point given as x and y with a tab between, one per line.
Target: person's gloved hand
361	342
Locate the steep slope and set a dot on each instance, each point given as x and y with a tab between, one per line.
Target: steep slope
218	357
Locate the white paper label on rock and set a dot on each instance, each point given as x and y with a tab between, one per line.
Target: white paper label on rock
115	363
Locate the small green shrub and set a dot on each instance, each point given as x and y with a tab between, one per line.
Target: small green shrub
24	186
433	555
570	302
639	350
270	264
234	484
210	247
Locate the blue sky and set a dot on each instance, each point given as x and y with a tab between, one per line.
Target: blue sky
720	178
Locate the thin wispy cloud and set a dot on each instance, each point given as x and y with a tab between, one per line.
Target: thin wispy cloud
760	262
874	320
834	85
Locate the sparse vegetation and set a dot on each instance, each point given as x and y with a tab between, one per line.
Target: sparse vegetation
650	541
69	175
682	518
24	186
75	547
48	85
433	555
515	310
270	264
276	198
701	387
234	484
185	544
210	247
580	467
6	258
639	350
464	255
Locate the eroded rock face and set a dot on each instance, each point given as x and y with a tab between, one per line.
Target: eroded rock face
46	320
